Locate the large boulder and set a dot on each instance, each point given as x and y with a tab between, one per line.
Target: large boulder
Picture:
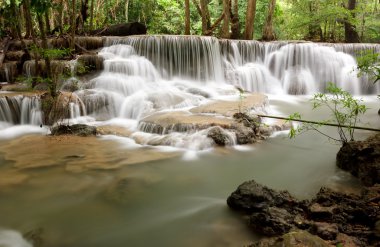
252	197
335	217
361	159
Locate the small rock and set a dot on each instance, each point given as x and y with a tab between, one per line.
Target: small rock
320	212
325	230
219	136
76	129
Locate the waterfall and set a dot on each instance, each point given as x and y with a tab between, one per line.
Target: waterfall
21	110
145	74
268	67
197	58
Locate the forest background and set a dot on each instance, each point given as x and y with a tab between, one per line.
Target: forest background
316	20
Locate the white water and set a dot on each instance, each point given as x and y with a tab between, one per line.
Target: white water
10	238
148	74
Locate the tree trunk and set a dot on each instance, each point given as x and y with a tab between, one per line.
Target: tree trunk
73	25
92	15
35	53
60	16
350	33
225	30
250	20
28	19
315	31
235	23
268	32
51	82
17	25
47	21
83	16
187	17
206	23
127	10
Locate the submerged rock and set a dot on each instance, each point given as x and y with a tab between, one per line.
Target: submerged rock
76	129
361	159
332	216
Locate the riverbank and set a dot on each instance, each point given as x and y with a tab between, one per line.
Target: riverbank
330	218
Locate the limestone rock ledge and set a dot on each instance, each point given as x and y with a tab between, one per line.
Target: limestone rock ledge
227	122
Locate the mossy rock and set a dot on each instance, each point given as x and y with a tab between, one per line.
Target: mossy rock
76	129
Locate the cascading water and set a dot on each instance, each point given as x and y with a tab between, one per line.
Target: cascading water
20	110
144	75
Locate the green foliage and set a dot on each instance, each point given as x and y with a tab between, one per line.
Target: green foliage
345	111
52	53
167	17
369	64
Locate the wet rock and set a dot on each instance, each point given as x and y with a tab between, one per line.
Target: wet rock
76	129
91	63
244	135
219	136
362	159
246	128
328	215
293	239
347	241
318	211
272	221
325	230
252	197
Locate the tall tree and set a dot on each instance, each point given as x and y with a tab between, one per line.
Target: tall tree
250	20
73	25
235	22
92	15
205	14
28	19
187	17
268	32
351	35
225	30
126	4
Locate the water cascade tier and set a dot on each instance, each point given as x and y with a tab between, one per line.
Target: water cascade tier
20	109
155	85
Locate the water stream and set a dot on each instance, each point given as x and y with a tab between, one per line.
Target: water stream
115	190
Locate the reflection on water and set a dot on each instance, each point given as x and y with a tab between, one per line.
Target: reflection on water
112	192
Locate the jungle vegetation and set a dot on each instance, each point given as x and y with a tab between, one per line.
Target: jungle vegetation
317	20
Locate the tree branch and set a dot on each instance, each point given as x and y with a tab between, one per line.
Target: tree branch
215	25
